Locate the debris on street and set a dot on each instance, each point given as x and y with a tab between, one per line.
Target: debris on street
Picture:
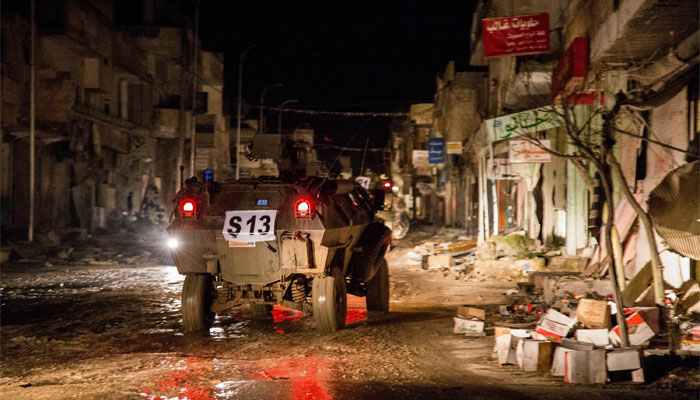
556	321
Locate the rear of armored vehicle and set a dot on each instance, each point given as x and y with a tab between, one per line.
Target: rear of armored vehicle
302	245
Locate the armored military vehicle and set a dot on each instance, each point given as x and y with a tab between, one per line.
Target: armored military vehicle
262	242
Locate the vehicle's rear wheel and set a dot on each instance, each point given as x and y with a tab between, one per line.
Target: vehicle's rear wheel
198	294
330	301
378	290
260	310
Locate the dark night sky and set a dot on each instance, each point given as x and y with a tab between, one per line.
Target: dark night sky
335	55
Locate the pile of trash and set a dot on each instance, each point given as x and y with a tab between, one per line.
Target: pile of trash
578	341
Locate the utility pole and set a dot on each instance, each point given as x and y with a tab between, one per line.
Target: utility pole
261	118
238	119
279	114
32	117
182	120
194	86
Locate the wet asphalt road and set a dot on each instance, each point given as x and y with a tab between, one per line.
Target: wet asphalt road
96	332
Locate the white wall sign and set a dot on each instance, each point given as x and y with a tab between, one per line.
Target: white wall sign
420	157
501	169
454	147
523	151
250	226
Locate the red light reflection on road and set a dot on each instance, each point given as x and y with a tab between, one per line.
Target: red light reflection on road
307	377
282	315
181	382
356	316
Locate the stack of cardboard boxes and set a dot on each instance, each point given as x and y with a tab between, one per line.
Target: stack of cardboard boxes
583	349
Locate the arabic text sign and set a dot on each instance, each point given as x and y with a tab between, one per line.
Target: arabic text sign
420	157
250	226
519	35
436	150
523	123
522	151
454	147
500	169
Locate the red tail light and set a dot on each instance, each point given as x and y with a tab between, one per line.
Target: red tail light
302	209
387	185
188	208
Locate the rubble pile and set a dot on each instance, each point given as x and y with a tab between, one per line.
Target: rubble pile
83	249
454	258
575	337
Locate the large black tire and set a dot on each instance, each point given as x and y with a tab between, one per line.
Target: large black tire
260	310
330	301
198	294
378	290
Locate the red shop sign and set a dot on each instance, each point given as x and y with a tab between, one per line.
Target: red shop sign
571	69
519	35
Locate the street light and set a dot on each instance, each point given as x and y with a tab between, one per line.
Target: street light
261	119
240	100
279	115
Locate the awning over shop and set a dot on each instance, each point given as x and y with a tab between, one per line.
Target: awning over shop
674	206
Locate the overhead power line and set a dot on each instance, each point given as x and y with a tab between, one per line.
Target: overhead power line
369	150
340	113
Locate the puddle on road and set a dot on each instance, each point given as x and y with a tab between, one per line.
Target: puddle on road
308	376
229	330
305	378
229	389
183	382
284	321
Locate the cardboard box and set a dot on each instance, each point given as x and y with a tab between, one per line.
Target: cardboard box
650	315
594	314
598	337
467	312
554	325
585	367
692	333
690	346
574	344
544	334
507	347
626	364
624	359
468	326
638	331
558	361
501	330
534	355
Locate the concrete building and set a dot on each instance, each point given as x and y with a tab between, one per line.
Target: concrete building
459	106
637	59
415	178
108	113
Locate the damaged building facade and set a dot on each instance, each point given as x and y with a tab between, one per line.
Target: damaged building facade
638	58
114	113
509	163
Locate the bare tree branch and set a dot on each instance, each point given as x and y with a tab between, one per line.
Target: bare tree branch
590	183
656	142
